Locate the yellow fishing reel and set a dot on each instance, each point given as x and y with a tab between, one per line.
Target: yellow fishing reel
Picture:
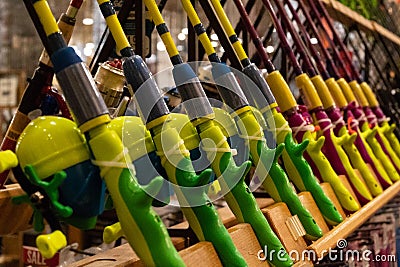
192	142
53	153
137	139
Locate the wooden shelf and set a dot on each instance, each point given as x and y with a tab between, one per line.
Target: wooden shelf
348	17
351	223
14	218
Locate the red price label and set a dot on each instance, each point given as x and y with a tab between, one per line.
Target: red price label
32	257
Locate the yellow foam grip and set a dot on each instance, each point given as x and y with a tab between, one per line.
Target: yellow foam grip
228	28
323	91
369	94
117	32
336	93
206	44
46	17
346	89
307	90
362	100
281	90
154	12
194	19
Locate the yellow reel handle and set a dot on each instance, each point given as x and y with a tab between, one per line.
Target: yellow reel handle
8	160
112	233
49	244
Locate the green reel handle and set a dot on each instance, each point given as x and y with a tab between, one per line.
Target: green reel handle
239	197
142	227
357	161
297	167
345	140
276	182
369	136
191	192
387	130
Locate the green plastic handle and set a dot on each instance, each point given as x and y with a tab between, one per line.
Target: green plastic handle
276	183
357	161
142	227
203	218
239	198
378	164
369	136
387	130
298	168
391	152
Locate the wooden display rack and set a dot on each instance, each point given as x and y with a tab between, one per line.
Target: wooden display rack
351	223
14	218
345	15
245	240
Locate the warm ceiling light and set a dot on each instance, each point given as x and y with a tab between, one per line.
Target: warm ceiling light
314	41
270	49
181	36
87	21
160	46
214	44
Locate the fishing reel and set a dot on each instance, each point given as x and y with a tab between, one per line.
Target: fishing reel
52	103
110	81
137	139
55	158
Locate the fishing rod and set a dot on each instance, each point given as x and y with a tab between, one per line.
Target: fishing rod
250	124
42	78
354	106
246	119
356	75
341	191
196	206
341	102
314	105
107	44
141	225
388	94
332	146
379	142
267	105
256	58
358	158
368	50
239	200
41	200
39	83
